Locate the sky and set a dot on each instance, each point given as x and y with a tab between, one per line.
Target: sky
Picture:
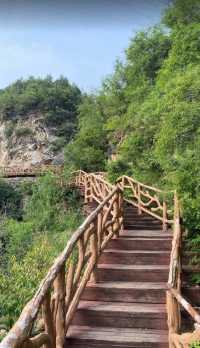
80	39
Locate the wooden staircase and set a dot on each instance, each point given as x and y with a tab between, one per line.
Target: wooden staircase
119	281
125	307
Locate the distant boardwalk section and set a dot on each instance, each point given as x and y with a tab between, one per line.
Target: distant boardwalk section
22	171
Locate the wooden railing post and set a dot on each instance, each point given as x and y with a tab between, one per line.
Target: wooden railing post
59	308
173	317
139	199
48	319
164	216
87	189
94	253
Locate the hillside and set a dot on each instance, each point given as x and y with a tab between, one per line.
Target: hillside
146	113
143	122
37	118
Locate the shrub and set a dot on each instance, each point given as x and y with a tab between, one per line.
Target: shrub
9	130
195	345
10	200
23	132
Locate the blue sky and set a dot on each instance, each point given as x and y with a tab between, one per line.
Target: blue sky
79	39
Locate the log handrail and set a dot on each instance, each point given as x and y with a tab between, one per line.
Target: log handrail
146	199
175	300
59	293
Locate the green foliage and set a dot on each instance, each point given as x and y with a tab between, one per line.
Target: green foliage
147	113
87	151
31	245
56	101
10	200
182	12
18	285
9	130
195	345
117	168
57	144
23	132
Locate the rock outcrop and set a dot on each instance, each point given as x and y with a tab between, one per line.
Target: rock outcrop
28	141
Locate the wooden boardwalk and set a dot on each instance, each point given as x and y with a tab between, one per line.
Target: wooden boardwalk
125	307
118	282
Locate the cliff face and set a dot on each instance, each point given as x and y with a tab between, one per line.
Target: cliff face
28	142
38	117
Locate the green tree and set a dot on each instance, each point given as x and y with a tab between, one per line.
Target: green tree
182	12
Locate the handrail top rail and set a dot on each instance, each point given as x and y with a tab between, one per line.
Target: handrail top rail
29	312
95	175
185	304
144	185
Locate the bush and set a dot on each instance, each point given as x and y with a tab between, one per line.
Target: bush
117	168
10	200
58	145
52	215
23	132
9	130
195	345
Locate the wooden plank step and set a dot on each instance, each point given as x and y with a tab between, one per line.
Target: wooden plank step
146	234
139	292
135	257
90	337
135	315
137	273
142	220
135	226
192	293
140	243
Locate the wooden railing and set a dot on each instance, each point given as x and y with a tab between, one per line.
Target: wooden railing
175	300
58	295
20	171
96	188
148	199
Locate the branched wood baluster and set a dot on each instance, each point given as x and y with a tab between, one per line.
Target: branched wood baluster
115	207
174	317
41	340
94	252
99	231
139	199
59	308
164	216
174	281
69	284
120	205
80	264
80	288
48	319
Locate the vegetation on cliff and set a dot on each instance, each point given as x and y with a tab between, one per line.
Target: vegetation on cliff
55	102
147	112
28	247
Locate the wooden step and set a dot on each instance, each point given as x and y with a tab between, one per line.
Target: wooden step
130	218
135	257
135	226
140	243
147	292
136	315
146	234
103	337
128	273
192	294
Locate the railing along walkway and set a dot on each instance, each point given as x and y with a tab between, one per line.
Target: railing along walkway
58	295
